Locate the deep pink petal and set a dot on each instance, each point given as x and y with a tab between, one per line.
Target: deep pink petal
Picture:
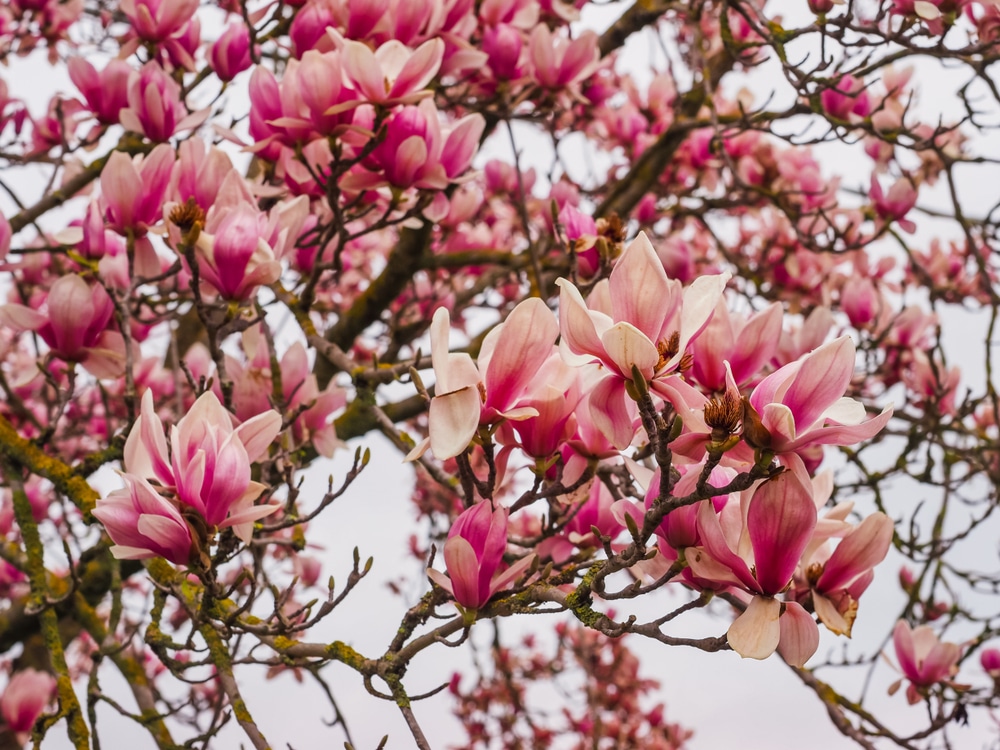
822	379
780	522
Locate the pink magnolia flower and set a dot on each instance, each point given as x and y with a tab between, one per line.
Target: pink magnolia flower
558	63
503	44
393	73
234	258
416	152
155	109
747	344
924	659
230	53
144	524
778	519
207	464
838	581
473	555
74	324
132	190
156	20
199	173
847	97
106	93
6	235
896	204
989	660
25	697
466	395
638	319
803	404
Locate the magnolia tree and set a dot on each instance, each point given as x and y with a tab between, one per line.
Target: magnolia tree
680	349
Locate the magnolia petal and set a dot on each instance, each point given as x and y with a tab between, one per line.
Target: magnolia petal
862	549
799	635
836	621
441	580
698	306
258	433
510	576
627	347
820	382
780	523
463	569
845	411
639	288
453	419
578	326
610	413
756	632
525	341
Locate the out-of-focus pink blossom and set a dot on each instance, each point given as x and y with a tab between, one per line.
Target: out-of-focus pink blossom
847	97
156	20
155	109
924	659
393	73
556	62
473	555
230	53
25	697
896	204
106	93
503	44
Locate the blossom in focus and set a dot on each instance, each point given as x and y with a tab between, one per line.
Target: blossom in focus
803	404
143	524
473	555
207	464
467	396
924	659
759	555
25	697
638	319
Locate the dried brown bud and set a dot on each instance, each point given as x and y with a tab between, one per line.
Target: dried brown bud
755	433
724	416
186	217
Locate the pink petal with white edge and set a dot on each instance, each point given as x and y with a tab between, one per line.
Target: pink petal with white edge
524	343
258	433
639	288
698	307
581	328
862	549
756	633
